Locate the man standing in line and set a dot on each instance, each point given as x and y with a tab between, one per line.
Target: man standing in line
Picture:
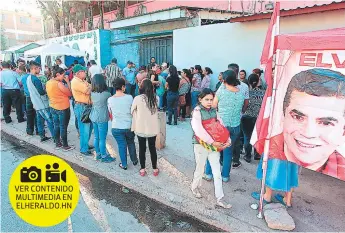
39	101
81	91
129	74
60	64
10	93
94	69
112	72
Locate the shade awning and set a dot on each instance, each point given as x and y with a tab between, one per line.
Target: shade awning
21	48
331	39
54	50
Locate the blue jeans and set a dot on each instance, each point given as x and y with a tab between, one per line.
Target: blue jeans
75	118
124	139
195	96
41	116
61	120
227	154
130	89
161	102
100	131
172	103
85	129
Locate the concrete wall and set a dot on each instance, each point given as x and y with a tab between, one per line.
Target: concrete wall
126	52
218	45
123	48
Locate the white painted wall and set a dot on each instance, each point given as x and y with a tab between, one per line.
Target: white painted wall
218	45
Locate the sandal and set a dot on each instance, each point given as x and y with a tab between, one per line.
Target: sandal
142	172
156	172
223	204
256	196
280	199
122	167
196	193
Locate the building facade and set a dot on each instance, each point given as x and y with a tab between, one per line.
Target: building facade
19	27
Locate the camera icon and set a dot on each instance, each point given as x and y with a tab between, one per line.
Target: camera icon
55	175
32	174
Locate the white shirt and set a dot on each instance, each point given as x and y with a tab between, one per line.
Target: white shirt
244	89
95	69
63	66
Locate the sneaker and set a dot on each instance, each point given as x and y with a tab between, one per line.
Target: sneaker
196	193
248	160
223	204
135	163
67	148
22	120
98	157
46	139
87	153
58	146
236	165
207	177
225	179
107	159
91	147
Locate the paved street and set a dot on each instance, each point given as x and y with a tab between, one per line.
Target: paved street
103	205
318	202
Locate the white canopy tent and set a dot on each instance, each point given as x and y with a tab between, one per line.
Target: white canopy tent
53	50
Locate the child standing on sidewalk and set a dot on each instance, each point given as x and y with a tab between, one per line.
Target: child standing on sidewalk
204	111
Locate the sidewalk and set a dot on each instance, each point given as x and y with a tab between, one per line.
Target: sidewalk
319	202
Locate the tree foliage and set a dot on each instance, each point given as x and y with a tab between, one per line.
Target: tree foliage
3	39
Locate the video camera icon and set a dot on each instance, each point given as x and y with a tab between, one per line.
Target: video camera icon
55	175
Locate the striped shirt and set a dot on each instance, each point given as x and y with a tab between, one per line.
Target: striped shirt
256	96
112	72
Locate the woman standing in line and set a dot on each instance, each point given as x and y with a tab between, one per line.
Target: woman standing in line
196	85
184	89
204	111
248	120
145	124
99	117
172	85
229	101
119	106
206	81
59	104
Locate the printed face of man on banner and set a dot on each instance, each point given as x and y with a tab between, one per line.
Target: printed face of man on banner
314	117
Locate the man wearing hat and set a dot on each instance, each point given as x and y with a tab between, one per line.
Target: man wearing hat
129	73
81	91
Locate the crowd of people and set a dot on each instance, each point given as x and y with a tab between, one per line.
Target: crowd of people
131	99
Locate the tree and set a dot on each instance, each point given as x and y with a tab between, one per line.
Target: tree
54	10
3	39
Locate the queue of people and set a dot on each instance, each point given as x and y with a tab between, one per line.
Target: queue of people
130	99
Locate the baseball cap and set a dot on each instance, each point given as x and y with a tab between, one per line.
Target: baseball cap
78	68
129	63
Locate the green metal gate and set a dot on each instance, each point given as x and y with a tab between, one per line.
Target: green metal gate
161	49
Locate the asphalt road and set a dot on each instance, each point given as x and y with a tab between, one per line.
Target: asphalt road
103	205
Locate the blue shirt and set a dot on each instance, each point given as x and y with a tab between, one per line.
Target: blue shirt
230	106
37	83
9	79
129	74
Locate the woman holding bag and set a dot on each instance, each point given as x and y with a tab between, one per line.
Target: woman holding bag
207	146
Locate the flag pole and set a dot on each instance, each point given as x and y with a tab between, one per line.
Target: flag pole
268	55
267	140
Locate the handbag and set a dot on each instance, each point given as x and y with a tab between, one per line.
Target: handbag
217	131
85	116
